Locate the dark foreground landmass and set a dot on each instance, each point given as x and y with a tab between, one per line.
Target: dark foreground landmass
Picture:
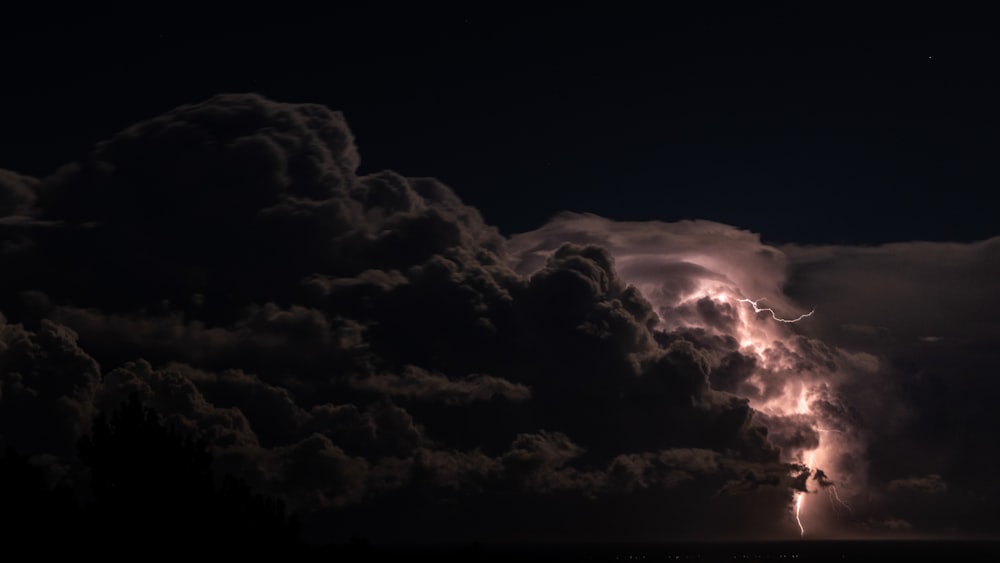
788	551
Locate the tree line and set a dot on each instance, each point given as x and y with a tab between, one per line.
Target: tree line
149	486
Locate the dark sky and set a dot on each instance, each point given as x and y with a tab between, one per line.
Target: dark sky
500	274
818	125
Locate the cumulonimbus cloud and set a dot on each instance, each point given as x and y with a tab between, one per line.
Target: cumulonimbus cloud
368	345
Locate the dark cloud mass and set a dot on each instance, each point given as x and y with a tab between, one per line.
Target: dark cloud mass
366	346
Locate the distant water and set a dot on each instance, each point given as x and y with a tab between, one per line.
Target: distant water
749	552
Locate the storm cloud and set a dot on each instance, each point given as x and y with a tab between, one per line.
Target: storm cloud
899	352
367	345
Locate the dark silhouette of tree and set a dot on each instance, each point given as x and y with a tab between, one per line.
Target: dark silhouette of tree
156	487
33	511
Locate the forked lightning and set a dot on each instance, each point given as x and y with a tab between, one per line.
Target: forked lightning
758	309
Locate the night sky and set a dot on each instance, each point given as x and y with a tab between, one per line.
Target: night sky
490	274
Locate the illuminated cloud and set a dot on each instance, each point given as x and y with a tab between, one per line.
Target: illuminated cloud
826	381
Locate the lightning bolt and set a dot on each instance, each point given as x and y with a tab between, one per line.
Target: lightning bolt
798	508
758	309
800	496
835	499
